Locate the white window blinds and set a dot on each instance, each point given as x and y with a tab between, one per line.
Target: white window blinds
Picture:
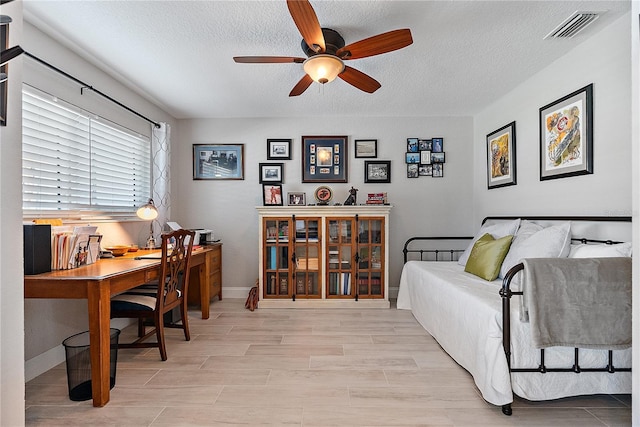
77	165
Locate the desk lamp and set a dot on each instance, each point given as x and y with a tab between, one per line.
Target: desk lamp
149	212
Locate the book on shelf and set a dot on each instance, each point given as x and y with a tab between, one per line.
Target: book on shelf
376	199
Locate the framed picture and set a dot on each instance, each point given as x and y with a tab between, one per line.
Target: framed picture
566	135
297	199
377	171
412	145
278	149
437	145
324	159
271	172
438	170
425	157
425	170
222	161
412	170
424	145
367	148
272	194
412	157
437	157
501	157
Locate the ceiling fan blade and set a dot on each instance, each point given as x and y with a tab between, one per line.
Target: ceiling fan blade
307	22
359	79
382	43
267	59
301	86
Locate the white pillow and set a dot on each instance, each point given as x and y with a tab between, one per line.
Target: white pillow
600	251
550	242
497	230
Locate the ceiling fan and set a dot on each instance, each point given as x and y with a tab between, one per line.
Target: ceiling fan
326	51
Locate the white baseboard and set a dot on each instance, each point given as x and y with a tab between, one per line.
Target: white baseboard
233	293
55	356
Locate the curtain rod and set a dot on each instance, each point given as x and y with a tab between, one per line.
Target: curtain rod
87	86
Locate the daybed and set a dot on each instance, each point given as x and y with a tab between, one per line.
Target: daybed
464	312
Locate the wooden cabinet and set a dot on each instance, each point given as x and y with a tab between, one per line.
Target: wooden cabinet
209	271
323	256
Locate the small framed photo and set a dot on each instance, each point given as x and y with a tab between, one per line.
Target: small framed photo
297	199
425	157
272	194
377	171
412	145
412	157
438	170
437	145
566	135
437	157
221	161
271	172
424	145
278	149
501	157
366	148
412	170
425	170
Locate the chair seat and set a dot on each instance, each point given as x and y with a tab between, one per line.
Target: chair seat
142	297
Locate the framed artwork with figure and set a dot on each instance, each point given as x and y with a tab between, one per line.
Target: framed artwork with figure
501	157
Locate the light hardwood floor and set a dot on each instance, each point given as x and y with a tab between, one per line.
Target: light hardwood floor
303	368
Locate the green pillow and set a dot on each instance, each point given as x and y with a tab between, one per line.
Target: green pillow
487	255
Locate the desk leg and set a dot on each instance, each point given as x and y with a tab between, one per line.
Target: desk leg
99	340
205	271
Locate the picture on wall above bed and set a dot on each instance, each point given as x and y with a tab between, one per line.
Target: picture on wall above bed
566	135
501	157
425	157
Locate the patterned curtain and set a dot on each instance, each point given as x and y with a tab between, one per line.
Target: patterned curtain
161	178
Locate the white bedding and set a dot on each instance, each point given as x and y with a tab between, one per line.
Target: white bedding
464	314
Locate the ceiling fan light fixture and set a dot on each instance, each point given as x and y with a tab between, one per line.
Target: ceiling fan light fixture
323	68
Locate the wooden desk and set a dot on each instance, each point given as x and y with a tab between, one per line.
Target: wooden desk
97	283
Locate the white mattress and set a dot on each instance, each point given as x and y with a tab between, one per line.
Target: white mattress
464	314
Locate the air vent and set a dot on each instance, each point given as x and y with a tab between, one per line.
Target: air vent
571	26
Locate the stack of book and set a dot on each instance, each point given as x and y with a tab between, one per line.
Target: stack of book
377	199
307	264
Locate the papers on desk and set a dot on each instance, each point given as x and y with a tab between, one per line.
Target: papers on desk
153	255
71	248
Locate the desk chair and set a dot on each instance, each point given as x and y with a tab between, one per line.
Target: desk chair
152	301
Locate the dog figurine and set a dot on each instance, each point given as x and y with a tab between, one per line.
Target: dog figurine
351	200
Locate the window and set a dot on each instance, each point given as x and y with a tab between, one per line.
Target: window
76	164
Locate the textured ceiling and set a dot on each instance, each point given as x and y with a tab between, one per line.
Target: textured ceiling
179	54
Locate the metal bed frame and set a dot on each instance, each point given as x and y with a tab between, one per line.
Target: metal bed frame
506	293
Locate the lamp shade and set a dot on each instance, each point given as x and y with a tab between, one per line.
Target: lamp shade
147	211
323	68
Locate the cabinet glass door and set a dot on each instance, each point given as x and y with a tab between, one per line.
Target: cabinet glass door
276	258
370	256
307	251
340	258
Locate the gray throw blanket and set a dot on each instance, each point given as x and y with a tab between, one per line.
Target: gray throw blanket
579	302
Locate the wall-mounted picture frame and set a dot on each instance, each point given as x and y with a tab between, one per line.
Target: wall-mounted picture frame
378	171
297	199
272	194
437	157
566	135
501	157
412	145
271	172
218	161
437	170
425	170
425	145
366	148
413	170
324	159
437	145
278	149
425	157
412	157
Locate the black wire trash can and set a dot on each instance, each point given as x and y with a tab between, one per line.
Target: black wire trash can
78	357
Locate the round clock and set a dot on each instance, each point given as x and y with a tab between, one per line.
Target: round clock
323	195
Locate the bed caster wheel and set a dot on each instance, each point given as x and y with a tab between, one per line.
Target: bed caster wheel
506	409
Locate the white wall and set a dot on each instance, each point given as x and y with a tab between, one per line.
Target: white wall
423	205
11	290
602	60
42	346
